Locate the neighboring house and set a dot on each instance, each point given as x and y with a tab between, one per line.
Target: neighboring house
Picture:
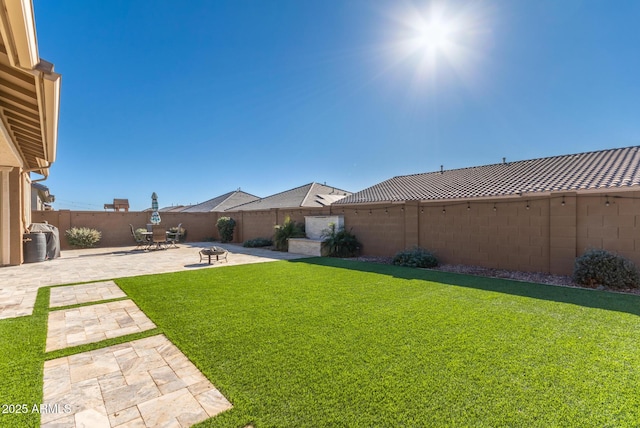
41	198
312	195
172	209
29	104
169	209
222	202
117	205
599	171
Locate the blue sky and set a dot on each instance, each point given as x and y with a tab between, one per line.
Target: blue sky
192	100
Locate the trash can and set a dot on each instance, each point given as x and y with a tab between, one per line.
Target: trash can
35	247
52	237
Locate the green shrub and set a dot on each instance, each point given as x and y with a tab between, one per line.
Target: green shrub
257	242
289	229
600	267
225	228
83	237
139	233
415	257
341	243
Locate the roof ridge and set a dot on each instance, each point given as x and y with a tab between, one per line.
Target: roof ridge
519	161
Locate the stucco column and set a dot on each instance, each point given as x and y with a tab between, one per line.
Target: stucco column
5	224
15	216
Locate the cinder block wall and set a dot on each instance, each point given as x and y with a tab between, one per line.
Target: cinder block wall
614	227
543	234
511	236
115	225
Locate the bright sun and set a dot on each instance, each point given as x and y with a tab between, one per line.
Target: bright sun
436	34
435	39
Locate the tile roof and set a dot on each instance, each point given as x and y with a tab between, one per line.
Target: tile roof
309	195
172	208
222	202
604	169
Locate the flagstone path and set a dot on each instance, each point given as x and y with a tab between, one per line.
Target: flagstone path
88	324
84	293
144	383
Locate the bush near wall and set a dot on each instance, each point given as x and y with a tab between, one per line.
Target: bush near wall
83	237
601	267
257	243
226	225
340	242
288	229
415	257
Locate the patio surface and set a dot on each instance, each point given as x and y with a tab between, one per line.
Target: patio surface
20	284
144	383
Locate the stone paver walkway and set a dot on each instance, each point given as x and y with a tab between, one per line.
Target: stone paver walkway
19	284
84	293
88	324
146	383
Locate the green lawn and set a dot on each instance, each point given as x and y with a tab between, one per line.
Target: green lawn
325	342
22	342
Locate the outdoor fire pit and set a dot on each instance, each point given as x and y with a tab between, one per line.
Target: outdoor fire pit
213	251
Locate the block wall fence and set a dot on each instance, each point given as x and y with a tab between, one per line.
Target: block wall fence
543	234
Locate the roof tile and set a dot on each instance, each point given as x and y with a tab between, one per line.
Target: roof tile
613	168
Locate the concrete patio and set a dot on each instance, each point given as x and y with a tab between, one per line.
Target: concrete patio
20	284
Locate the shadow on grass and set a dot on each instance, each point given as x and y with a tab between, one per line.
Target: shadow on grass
577	296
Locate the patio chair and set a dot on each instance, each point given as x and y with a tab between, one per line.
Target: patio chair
174	237
141	241
159	238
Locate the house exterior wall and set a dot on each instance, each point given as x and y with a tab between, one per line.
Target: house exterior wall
17	216
545	237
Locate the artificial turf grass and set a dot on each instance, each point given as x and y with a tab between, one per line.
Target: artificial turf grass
325	342
22	342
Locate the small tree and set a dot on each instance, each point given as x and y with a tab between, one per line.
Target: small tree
340	242
288	229
226	225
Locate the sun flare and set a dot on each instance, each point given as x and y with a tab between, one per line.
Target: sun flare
436	38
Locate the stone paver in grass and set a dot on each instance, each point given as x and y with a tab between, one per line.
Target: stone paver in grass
16	301
84	293
146	383
88	324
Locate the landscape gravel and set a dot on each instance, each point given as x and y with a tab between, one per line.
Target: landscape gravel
535	277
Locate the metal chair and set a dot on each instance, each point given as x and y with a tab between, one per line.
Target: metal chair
141	241
174	237
159	238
